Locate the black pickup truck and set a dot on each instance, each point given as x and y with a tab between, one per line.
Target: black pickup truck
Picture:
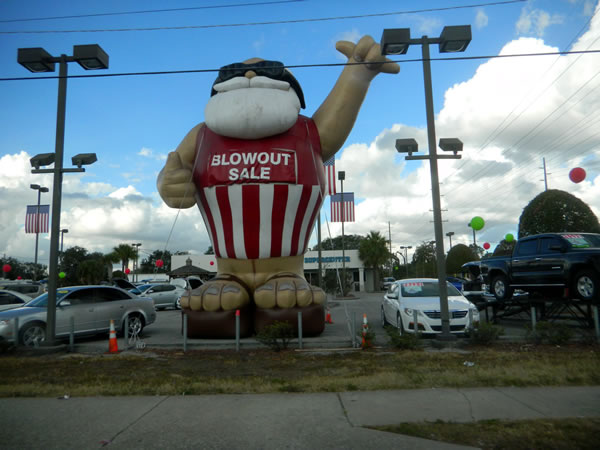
563	265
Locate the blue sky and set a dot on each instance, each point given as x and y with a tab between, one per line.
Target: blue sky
509	112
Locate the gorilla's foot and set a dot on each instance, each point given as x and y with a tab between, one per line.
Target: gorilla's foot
225	292
287	290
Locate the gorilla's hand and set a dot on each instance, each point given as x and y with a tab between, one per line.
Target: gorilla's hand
367	51
175	183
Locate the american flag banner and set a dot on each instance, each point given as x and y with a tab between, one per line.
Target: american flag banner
342	211
330	175
35	224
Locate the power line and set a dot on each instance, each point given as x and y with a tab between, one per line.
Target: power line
274	22
299	66
149	11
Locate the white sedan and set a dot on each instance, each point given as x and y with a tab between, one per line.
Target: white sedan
404	297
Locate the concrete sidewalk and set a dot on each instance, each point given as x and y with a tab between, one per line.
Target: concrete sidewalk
273	421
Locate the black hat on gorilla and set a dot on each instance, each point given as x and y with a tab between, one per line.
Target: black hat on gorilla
270	69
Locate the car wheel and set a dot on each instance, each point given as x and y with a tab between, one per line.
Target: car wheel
178	303
500	288
585	285
399	324
383	321
136	324
32	334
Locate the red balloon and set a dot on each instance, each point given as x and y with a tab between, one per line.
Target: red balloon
127	271
577	175
6	268
486	245
212	263
159	263
19	277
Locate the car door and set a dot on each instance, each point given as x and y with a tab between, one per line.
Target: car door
550	261
524	264
78	304
110	304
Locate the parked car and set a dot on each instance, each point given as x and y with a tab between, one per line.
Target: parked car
163	294
423	295
386	282
551	264
12	299
30	288
456	282
92	307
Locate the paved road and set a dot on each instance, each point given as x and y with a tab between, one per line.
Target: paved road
273	421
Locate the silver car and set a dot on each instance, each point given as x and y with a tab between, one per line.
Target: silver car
92	308
12	299
163	294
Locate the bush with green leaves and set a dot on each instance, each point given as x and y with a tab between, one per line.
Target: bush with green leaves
276	336
404	341
550	333
485	333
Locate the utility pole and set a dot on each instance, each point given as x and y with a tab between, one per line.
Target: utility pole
390	234
545	174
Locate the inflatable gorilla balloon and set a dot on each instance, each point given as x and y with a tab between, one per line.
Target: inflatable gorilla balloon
255	170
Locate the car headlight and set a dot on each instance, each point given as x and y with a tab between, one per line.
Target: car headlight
6	322
410	312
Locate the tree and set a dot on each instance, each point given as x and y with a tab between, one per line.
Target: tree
125	252
504	248
554	211
425	261
351	242
70	260
374	253
209	251
149	265
457	256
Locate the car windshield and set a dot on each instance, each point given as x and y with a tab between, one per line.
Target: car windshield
42	300
143	287
426	289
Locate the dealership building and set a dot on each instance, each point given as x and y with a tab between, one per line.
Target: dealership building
364	279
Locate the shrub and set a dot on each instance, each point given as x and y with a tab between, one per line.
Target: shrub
485	333
404	341
276	336
549	333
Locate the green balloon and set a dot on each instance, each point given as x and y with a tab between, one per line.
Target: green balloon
62	275
396	267
477	223
509	237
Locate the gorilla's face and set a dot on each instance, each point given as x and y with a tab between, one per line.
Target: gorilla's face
252	108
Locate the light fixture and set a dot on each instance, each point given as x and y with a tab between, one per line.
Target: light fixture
395	41
82	159
43	159
35	59
90	57
455	38
409	146
451	145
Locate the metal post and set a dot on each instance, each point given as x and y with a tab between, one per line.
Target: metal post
320	268
56	200
37	230
435	193
471	326
185	331
300	329
237	330
533	317
72	335
126	333
354	337
341	174
16	331
596	321
415	321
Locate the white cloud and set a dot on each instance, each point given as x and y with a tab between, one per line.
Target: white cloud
535	21
481	19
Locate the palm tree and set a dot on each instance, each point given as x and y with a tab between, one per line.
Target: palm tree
108	260
124	252
374	252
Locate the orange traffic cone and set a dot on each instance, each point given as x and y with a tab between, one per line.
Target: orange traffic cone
112	339
366	340
328	317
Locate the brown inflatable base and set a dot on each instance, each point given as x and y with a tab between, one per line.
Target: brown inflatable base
221	324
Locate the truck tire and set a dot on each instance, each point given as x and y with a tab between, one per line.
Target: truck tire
585	285
500	288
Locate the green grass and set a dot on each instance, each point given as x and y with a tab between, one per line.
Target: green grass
263	371
542	434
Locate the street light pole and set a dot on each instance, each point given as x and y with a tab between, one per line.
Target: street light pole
450	234
342	177
452	39
406	256
135	264
40	189
90	57
62	235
